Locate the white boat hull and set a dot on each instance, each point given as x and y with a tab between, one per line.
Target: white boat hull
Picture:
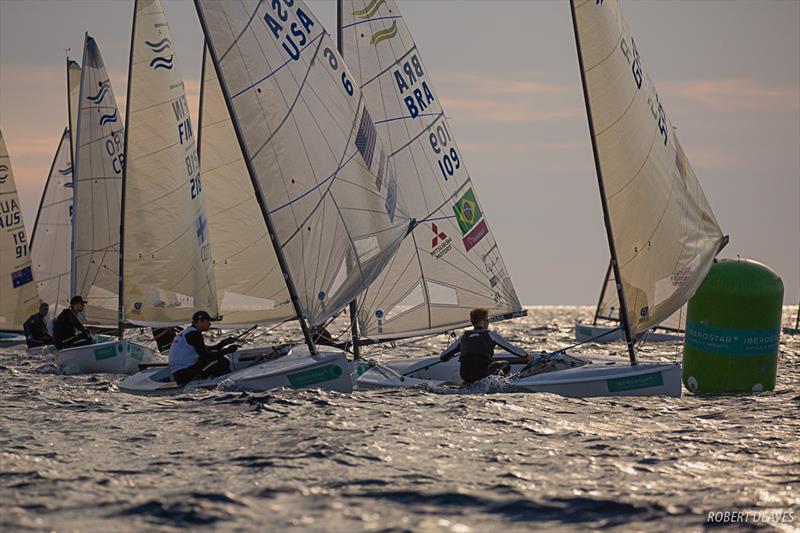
590	377
587	332
11	339
295	370
329	369
112	357
599	378
157	381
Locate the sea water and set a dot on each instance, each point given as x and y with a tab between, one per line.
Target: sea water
79	455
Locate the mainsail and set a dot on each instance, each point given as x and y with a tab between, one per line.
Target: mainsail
451	262
18	297
662	231
167	272
51	240
608	306
324	181
98	167
250	284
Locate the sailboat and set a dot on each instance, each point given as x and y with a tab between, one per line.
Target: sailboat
312	157
450	263
97	187
607	310
51	239
796	329
18	298
662	234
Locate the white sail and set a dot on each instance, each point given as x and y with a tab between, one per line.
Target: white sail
18	298
311	146
73	94
168	271
451	262
51	240
608	307
250	284
664	231
98	186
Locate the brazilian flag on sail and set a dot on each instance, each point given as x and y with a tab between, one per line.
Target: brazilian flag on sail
468	213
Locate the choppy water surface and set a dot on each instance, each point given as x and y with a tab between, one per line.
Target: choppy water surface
77	454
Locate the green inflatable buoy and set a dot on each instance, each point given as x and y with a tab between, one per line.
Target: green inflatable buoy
733	329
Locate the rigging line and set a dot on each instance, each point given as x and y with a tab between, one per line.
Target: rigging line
420	134
399	299
388	68
154	152
429	219
356	23
263	112
317	186
290	108
333	177
406	118
318	37
639	171
235	41
620	117
655	228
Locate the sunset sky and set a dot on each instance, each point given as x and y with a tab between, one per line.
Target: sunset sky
727	72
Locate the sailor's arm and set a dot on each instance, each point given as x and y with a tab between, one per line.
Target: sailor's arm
451	351
522	355
195	339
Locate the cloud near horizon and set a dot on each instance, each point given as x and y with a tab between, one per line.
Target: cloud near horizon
733	95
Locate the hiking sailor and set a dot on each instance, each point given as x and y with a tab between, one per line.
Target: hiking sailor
476	347
190	358
36	333
68	331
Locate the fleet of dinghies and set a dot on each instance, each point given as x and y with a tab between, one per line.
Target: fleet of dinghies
311	187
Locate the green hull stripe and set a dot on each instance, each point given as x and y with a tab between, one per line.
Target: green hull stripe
314	376
107	352
635	382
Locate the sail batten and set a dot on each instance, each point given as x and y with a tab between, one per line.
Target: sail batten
311	147
451	262
662	232
18	298
167	269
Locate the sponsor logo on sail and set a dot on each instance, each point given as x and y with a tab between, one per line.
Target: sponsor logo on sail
384	35
440	243
108	119
161	61
3	173
101	92
370	10
391	194
469	217
66	171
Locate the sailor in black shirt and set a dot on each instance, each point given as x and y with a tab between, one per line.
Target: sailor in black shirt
476	347
36	333
68	331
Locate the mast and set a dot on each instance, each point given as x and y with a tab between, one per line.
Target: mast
602	294
273	236
72	165
121	289
623	306
73	277
354	304
797	322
